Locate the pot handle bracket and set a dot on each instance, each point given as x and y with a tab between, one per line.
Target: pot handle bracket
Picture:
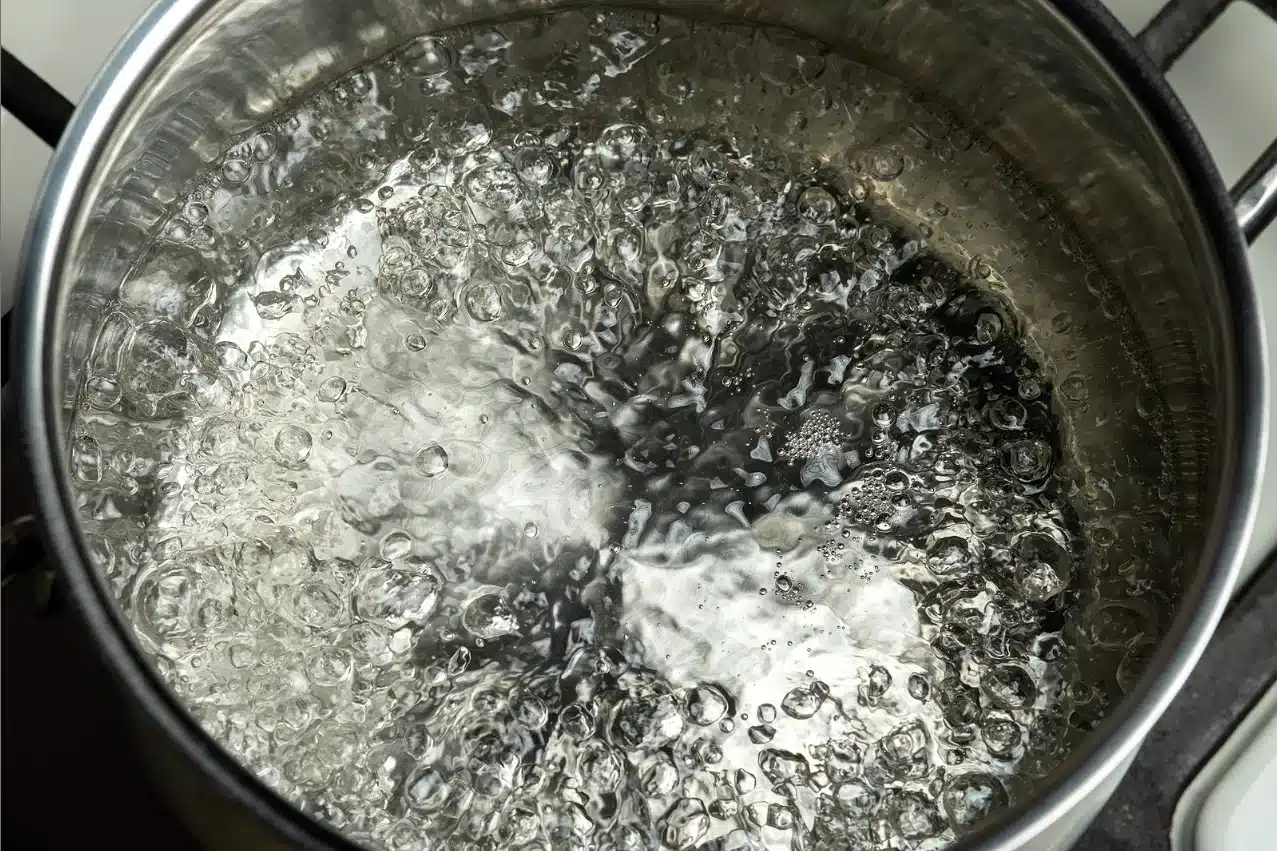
1171	32
45	112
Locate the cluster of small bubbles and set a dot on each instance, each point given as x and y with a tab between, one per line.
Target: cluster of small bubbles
448	517
817	435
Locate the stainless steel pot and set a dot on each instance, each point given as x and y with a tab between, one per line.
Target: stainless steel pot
1056	83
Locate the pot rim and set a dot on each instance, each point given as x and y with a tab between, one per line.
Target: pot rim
58	214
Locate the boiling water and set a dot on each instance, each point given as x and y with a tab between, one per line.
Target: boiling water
535	441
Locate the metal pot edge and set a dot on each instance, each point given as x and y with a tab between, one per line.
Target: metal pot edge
1109	748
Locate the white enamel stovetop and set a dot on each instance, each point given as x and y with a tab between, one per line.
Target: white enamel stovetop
1228	81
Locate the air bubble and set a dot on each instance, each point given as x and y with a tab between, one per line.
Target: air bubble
1116	624
488	617
969	799
274	304
330	666
886	165
86	460
801	703
1009	686
102	392
431	461
878	682
647	723
293	445
530	712
780	766
914	815
657	775
263	146
1001	736
780	817
1042	566
483	302
684	824
396	545
426	790
426	57
460	660
988	327
817	205
705	705
535	167
395	597
1008	414
1029	389
236	171
314	604
1029	460
332	389
950	556
1131	669
494	186
1073	387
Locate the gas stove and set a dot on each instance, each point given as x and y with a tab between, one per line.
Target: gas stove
1205	779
